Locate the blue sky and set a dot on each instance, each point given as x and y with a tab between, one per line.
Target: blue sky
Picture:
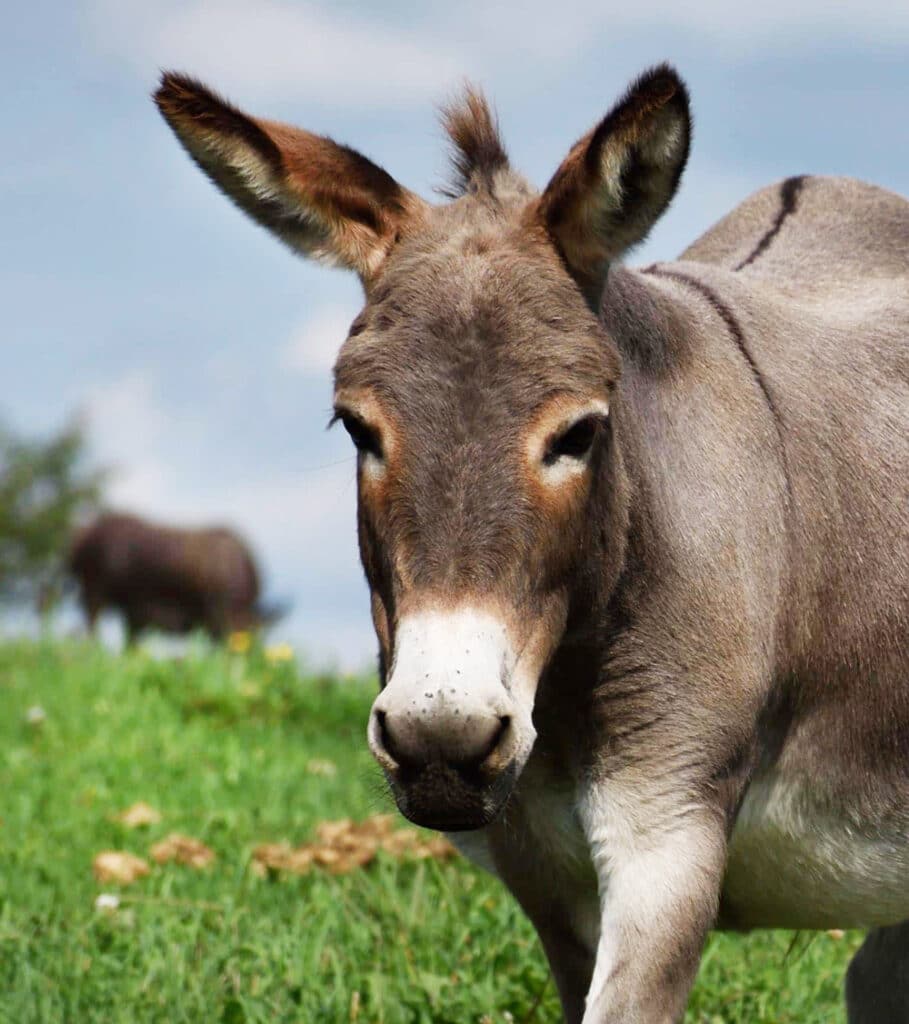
200	350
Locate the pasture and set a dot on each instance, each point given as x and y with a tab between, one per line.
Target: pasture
238	750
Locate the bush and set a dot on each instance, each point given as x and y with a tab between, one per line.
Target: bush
45	487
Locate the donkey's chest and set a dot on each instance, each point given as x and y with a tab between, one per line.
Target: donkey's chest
541	837
553	825
790	863
540	827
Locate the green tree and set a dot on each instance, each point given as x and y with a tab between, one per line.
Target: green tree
46	485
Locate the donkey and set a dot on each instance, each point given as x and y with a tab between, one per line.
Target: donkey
637	540
166	577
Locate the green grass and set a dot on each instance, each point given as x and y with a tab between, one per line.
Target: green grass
220	744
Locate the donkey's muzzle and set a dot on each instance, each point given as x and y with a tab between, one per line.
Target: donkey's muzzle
448	729
449	799
449	767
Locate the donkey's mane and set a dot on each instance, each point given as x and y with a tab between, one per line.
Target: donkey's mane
478	151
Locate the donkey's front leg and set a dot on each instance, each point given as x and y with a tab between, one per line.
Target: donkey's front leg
660	868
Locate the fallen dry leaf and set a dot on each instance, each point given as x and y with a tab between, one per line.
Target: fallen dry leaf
343	861
139	814
270	858
343	846
183	850
406	842
119	866
836	933
318	766
281	857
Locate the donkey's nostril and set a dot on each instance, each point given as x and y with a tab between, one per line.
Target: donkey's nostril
402	740
485	738
495	741
385	736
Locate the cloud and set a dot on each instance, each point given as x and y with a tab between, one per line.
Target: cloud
323	53
132	430
756	24
314	346
275	49
300	517
560	33
126	428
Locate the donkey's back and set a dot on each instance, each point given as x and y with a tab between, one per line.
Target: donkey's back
814	236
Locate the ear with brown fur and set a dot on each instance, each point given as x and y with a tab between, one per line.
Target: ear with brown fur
324	200
618	179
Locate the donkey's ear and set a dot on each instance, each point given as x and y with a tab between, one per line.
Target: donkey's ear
322	199
618	179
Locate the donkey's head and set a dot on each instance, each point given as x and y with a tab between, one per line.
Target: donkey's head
476	386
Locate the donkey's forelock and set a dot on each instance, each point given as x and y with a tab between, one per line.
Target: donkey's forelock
479	160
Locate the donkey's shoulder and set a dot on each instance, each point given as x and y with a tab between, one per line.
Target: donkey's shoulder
811	229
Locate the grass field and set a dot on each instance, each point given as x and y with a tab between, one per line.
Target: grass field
236	751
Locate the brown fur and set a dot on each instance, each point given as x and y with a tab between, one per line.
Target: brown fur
715	605
479	154
321	198
165	578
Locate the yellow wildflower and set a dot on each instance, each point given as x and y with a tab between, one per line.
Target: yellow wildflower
239	642
278	653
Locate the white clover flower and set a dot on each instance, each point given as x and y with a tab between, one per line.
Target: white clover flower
36	715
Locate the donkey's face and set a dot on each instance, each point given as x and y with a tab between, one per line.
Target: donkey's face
476	385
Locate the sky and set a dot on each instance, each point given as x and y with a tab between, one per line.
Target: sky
199	350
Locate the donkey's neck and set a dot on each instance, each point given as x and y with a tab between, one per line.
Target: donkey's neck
645	320
657	329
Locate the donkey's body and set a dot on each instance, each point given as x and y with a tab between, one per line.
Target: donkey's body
643	633
170	578
821	298
769	550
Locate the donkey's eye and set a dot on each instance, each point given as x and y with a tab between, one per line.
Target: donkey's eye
575	442
365	439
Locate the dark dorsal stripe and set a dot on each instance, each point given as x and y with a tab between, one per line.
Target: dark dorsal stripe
789	193
738	336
